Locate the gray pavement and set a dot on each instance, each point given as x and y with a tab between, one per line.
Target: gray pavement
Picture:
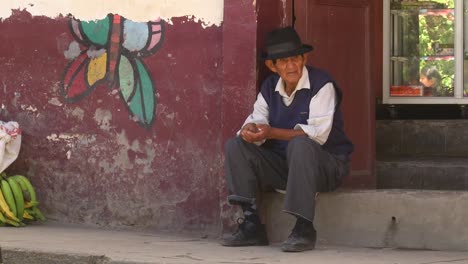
57	243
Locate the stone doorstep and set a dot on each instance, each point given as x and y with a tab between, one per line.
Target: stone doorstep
422	137
423	172
410	219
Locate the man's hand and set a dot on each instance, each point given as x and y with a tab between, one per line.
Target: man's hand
254	133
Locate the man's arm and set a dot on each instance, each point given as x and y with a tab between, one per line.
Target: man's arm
318	127
256	129
321	112
278	133
249	131
319	124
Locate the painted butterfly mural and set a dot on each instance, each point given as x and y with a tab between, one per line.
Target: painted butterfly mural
114	48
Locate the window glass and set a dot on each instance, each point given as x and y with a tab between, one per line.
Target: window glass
422	48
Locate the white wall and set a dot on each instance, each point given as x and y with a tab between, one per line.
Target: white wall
208	12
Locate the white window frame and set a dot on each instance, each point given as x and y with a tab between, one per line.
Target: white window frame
458	97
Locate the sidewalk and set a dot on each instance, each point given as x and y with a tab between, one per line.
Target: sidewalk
56	243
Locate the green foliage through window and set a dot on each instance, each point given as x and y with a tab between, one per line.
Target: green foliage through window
436	41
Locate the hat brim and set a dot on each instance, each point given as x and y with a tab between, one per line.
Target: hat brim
304	49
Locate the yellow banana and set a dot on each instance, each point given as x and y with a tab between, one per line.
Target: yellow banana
4	221
8	195
5	209
30	204
18	195
27	216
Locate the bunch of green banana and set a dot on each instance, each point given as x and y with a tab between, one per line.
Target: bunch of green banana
18	202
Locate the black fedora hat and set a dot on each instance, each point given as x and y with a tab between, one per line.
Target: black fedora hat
283	43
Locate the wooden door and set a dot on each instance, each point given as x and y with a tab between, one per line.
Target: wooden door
346	38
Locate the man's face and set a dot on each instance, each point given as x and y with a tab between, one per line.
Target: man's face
289	69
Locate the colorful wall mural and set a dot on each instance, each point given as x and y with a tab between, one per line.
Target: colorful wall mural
90	162
112	57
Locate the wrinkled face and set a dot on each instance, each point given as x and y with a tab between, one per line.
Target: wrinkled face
289	69
425	81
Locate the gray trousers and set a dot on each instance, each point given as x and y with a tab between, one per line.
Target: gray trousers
308	169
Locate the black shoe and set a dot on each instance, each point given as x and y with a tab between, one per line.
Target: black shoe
302	237
248	234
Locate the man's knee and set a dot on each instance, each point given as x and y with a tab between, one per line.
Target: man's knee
232	144
302	144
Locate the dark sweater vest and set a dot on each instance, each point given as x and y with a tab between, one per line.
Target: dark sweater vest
282	116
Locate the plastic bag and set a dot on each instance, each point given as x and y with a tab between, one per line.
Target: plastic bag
10	143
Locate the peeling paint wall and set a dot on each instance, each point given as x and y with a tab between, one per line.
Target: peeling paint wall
207	12
90	159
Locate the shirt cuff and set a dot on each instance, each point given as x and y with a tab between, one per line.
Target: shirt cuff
310	131
259	143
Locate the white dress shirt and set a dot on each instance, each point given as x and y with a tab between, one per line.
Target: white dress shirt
321	109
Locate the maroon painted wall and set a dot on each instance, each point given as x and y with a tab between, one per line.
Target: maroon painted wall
271	14
239	80
93	164
118	173
244	30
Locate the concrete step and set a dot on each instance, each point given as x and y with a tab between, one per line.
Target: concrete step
423	172
422	137
410	219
